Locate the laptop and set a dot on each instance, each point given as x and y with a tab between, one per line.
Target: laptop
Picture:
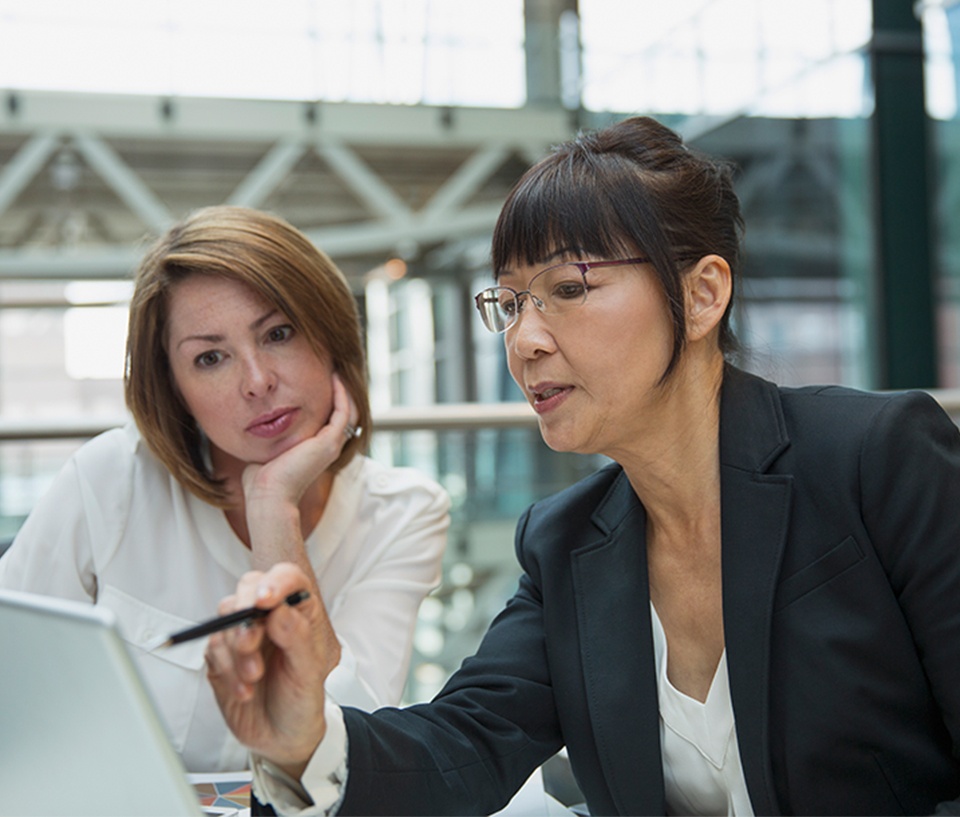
79	734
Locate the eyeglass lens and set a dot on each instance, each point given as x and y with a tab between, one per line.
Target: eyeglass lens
553	291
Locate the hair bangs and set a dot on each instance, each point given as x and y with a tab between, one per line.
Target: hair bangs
552	211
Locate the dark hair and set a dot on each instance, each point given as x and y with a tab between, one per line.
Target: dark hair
281	265
629	189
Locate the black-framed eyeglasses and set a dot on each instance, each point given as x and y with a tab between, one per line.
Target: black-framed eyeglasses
552	291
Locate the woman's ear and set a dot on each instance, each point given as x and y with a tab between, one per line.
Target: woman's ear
707	288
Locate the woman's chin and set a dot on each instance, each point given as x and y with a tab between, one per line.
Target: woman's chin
290	440
556	442
279	447
567	443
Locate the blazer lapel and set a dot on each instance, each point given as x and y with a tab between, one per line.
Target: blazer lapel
613	615
755	508
613	606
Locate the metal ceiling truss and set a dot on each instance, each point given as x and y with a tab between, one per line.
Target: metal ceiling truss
360	180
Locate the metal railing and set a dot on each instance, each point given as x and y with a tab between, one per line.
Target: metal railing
438	417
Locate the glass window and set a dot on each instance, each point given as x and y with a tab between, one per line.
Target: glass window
941	29
435	52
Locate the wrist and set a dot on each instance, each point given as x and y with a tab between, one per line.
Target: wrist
293	760
329	753
275	533
295	768
277	513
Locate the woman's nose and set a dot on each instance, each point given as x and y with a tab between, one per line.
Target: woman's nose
530	335
259	378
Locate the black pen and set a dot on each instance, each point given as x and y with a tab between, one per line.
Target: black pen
245	616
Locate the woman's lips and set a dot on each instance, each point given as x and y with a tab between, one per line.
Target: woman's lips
270	425
547	398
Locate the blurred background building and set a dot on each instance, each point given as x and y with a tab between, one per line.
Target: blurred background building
390	132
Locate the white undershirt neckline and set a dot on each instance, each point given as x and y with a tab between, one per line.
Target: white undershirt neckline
702	771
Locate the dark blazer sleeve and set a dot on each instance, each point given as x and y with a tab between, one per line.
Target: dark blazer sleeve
910	477
864	684
474	745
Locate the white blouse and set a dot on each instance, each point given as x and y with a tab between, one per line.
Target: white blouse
701	758
116	529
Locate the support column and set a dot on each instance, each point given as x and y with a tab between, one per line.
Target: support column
901	149
551	46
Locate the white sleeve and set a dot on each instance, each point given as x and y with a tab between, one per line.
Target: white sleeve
320	788
74	527
51	553
375	617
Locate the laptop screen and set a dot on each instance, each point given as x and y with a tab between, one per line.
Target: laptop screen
79	734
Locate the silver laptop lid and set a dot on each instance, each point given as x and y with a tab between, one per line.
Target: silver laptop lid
79	734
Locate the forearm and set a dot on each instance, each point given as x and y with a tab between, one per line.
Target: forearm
276	535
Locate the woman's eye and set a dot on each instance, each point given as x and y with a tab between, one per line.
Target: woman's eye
207	359
508	306
567	290
280	333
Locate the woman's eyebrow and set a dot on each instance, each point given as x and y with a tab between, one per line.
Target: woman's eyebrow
217	338
542	262
201	338
264	318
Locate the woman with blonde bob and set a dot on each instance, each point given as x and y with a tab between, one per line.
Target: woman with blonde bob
246	380
284	268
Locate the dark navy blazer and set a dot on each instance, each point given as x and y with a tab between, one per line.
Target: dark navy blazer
841	606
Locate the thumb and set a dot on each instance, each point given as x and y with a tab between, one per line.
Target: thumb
310	646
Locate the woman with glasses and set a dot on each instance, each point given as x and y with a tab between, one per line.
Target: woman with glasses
755	609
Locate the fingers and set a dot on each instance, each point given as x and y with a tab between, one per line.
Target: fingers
292	472
289	629
248	591
268	679
345	414
302	631
267	590
233	663
229	683
271	587
227	605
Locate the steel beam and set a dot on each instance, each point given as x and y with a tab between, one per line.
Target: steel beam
25	165
123	181
272	169
901	149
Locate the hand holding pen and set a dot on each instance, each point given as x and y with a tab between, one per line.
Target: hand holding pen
269	680
243	617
